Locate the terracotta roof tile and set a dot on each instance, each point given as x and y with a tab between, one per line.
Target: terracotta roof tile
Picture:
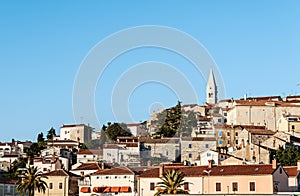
84	152
191	171
59	172
121	170
291	171
88	166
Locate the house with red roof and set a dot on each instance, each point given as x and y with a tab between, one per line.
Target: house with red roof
60	182
114	181
293	177
222	179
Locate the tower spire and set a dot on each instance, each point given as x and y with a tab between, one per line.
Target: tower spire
211	89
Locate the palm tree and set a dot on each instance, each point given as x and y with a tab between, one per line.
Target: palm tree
172	181
31	180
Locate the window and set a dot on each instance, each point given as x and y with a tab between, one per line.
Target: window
293	126
186	186
252	186
220	142
228	142
167	153
60	185
152	186
225	113
84	156
219	120
190	145
218	186
280	170
236	142
236	134
190	155
234	186
51	185
228	134
220	134
206	145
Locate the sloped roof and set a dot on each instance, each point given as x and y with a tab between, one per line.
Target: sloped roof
59	172
88	166
121	170
222	170
84	152
291	171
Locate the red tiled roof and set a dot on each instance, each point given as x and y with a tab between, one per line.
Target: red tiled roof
198	139
263	98
291	171
263	102
59	172
261	131
84	152
129	144
121	170
225	170
88	166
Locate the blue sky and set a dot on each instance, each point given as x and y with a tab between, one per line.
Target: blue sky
255	44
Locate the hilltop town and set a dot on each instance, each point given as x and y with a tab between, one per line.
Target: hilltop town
248	145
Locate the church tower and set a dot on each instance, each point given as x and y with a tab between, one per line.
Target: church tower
211	89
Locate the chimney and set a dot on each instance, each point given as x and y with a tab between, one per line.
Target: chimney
274	164
210	164
161	170
298	165
245	96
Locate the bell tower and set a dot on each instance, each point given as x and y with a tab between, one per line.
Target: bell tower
211	89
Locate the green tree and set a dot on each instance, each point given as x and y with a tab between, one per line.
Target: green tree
188	121
12	170
116	129
171	183
103	137
82	146
40	137
30	181
93	144
172	121
288	156
34	150
51	133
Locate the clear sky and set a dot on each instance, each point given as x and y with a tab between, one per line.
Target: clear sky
255	44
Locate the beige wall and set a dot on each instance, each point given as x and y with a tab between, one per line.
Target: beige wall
263	184
56	190
83	132
195	185
259	115
195	149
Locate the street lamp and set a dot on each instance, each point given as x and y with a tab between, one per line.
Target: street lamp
208	172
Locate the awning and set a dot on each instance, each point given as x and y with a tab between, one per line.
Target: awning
114	189
85	189
99	189
106	190
125	189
